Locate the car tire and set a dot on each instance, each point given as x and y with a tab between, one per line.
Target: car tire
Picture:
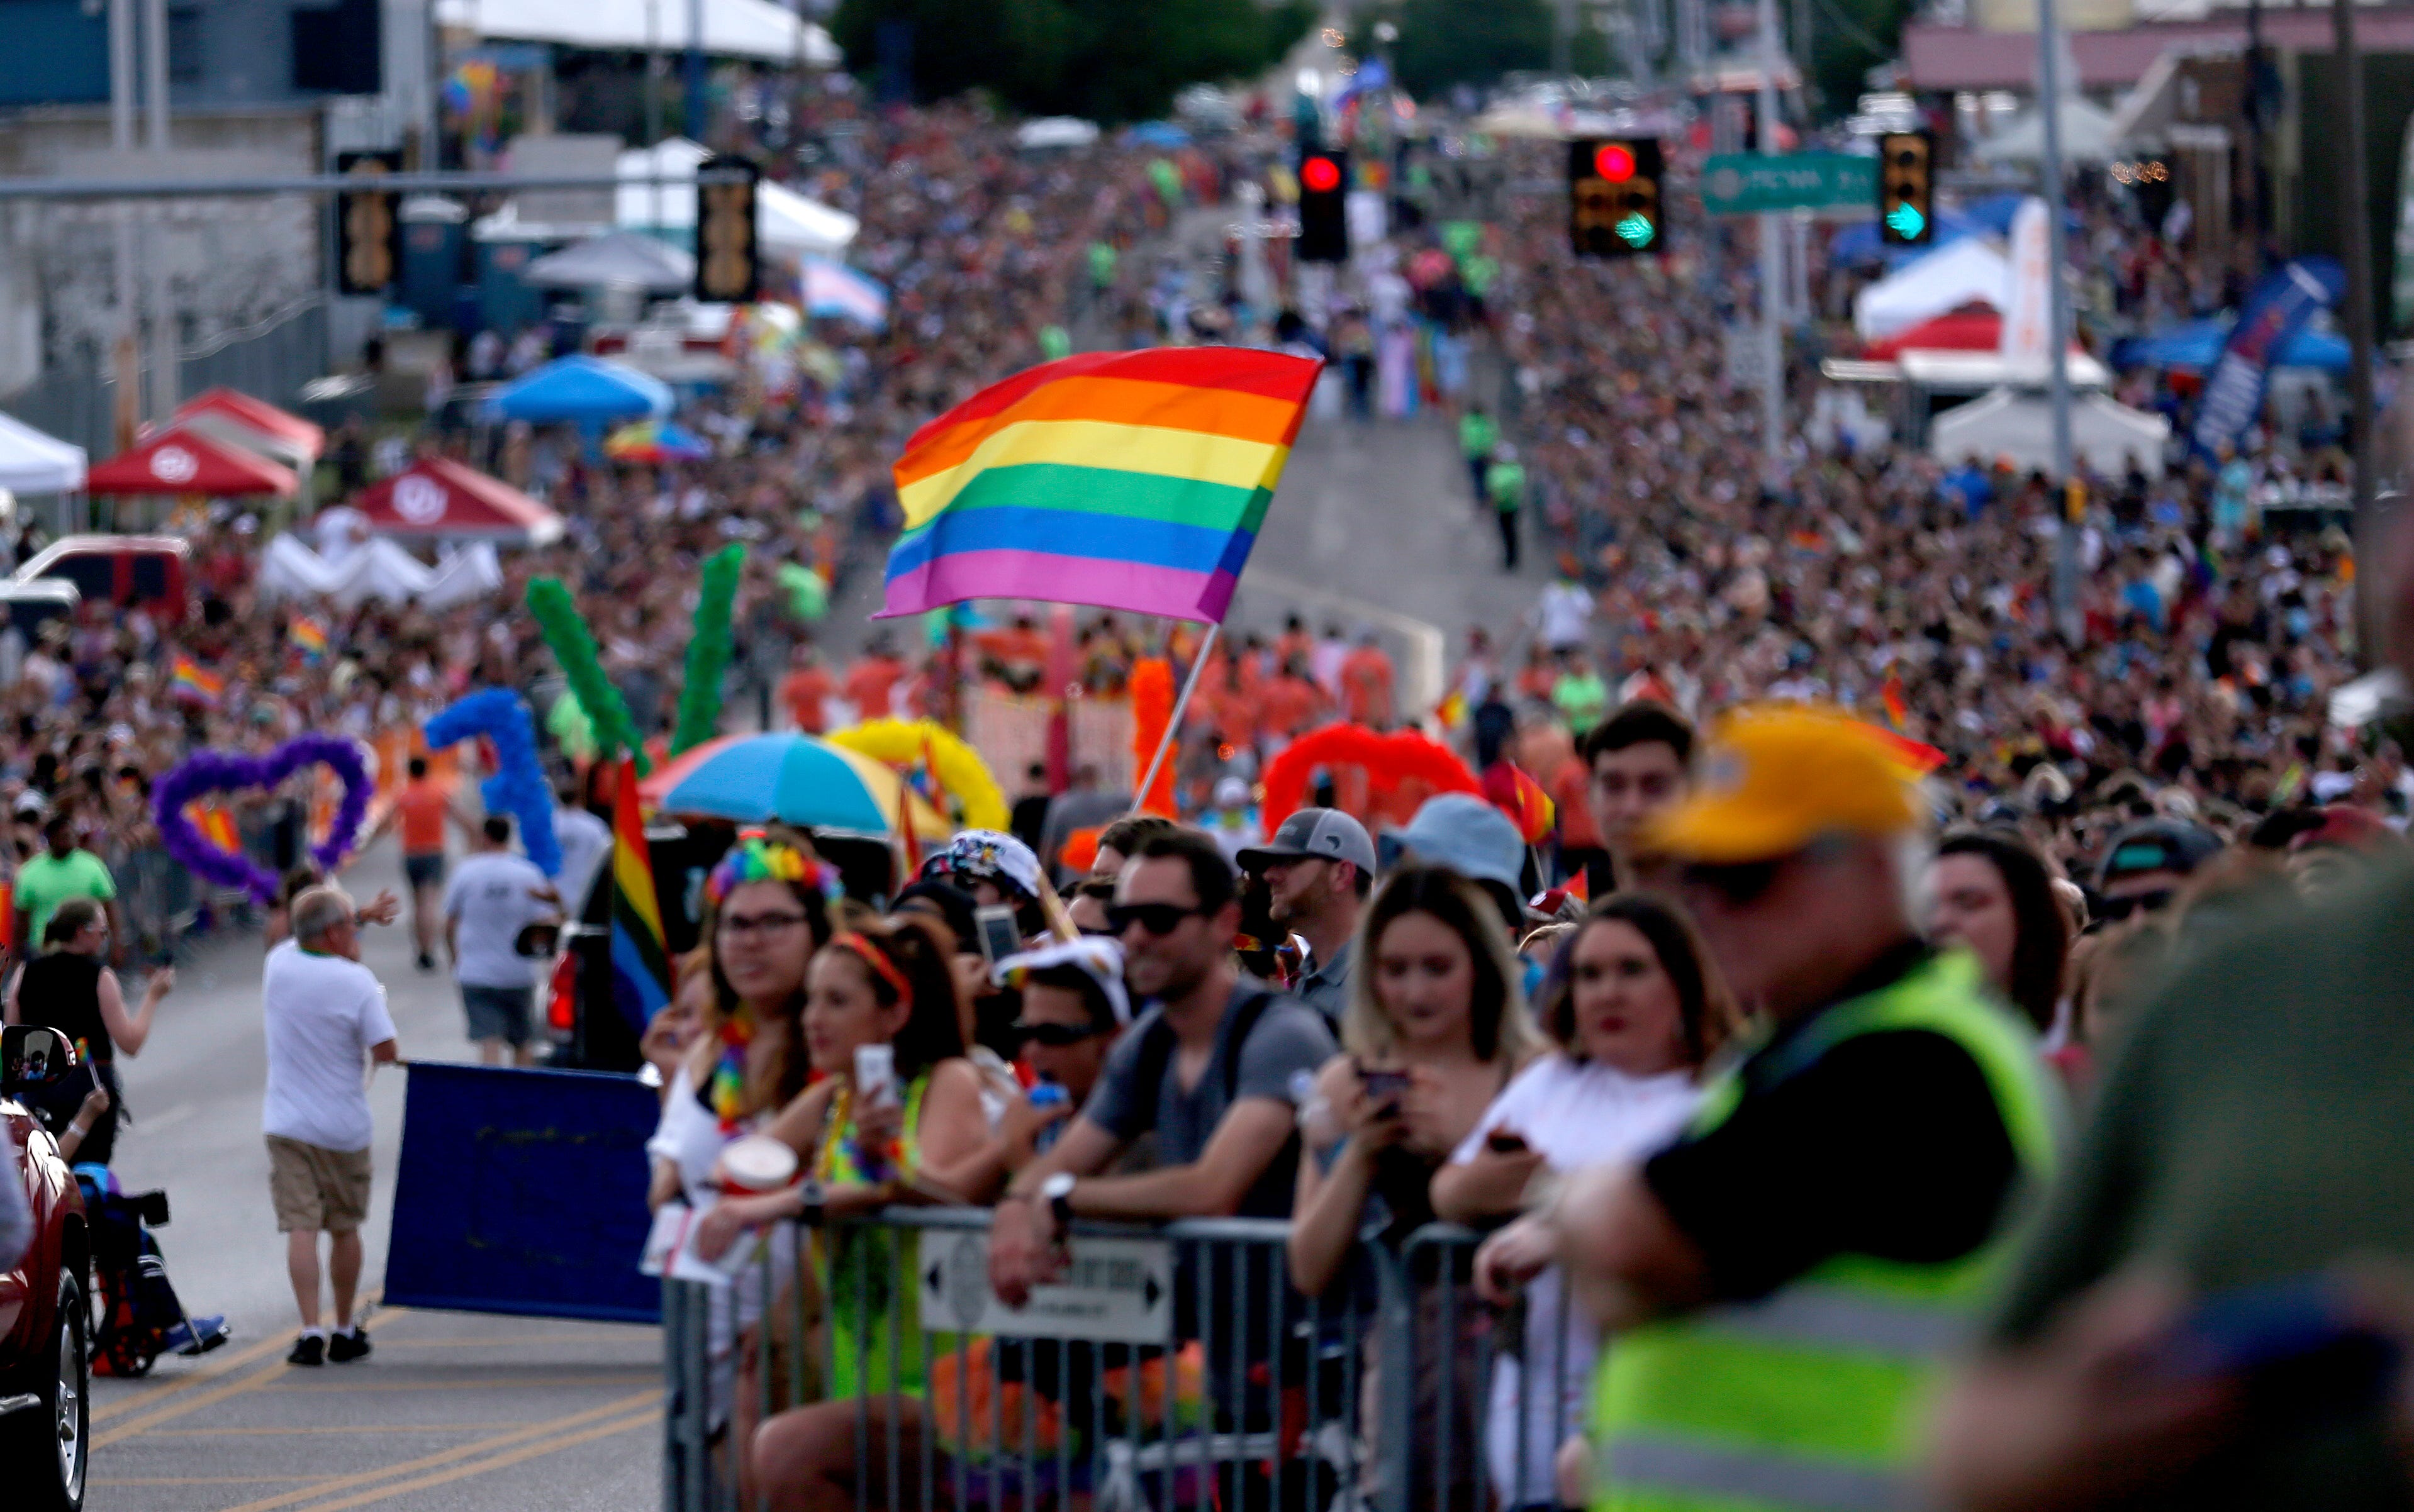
47	1447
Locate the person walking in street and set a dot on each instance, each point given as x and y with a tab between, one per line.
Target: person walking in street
1318	869
1504	489
493	896
423	811
1829	1219
62	871
1479	434
69	988
325	1013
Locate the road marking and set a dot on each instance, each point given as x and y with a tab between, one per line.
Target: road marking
313	1387
352	1429
513	1339
200	1480
648	1419
650	1401
222	1365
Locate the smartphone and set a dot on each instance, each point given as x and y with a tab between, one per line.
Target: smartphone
1385	1085
1505	1142
2294	1345
875	1073
998	935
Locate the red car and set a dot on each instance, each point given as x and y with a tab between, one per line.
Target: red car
45	1344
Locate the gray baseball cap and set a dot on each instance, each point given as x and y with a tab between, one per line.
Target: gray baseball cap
1325	833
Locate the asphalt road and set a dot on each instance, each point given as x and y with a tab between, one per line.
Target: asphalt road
455	1412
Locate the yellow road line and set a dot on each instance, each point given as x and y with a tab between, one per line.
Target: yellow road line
353	1429
501	1340
501	1462
219	1366
313	1387
650	1401
194	1404
199	1480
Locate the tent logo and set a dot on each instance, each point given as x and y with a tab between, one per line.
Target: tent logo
175	465
420	500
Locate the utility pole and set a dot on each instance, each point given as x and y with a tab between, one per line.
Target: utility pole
694	80
1772	265
1563	28
2354	250
2057	294
165	379
126	361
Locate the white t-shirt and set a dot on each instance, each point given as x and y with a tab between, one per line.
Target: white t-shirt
324	1012
585	841
1574	1114
1566	608
491	894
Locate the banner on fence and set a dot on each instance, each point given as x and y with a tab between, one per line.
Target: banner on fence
523	1192
1117	1290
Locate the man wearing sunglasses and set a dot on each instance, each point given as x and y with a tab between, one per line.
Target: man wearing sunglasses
1827	1219
2146	864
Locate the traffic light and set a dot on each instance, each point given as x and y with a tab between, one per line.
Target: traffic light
1614	199
728	268
369	226
1907	188
1323	226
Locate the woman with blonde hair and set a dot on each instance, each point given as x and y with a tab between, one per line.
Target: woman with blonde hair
1436	1027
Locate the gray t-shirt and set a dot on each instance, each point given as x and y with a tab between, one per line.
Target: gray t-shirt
493	893
1289	1039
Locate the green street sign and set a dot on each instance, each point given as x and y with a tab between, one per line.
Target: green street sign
1746	183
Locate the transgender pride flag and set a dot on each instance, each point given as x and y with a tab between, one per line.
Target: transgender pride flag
833	288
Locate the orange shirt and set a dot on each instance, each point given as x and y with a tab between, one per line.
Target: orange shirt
422	806
1367	686
803	692
1288	705
871	683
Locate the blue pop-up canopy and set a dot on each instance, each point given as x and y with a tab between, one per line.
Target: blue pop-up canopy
2195	345
583	389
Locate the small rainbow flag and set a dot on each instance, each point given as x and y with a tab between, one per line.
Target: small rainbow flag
189	680
309	637
215	824
1133	481
1890	694
641	972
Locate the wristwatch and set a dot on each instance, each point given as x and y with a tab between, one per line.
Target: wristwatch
811	1204
1057	1193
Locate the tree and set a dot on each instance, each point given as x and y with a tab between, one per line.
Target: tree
1107	60
1446	42
1847	38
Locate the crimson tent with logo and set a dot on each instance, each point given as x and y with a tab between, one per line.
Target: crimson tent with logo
439	496
182	461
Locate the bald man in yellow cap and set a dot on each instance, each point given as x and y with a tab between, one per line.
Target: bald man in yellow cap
1785	1279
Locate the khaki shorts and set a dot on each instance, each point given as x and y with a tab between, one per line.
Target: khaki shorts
317	1190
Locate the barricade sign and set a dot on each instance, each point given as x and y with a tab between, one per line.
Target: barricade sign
1113	1291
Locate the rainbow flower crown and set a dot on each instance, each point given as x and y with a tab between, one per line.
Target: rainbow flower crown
757	858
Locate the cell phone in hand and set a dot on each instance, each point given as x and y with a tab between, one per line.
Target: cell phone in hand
998	935
1384	1087
1505	1142
2295	1346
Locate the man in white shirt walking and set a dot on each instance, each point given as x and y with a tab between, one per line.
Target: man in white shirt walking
490	898
324	1013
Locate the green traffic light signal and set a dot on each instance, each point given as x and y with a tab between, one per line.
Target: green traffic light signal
1635	231
1907	221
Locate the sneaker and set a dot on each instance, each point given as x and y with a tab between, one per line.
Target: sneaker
426	962
197	1336
308	1350
344	1348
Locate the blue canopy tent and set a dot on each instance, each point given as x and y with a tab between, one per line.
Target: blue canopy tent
1994	212
585	390
2195	345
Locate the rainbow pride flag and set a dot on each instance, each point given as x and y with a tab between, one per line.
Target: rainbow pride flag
189	680
309	637
641	974
1132	481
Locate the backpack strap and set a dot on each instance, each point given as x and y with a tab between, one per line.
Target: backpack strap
1156	1048
1243	1025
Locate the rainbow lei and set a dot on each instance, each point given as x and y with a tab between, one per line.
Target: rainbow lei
729	1077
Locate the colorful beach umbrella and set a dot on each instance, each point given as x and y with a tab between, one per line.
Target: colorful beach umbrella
654	440
794	779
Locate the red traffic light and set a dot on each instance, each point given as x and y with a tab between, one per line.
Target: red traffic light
1614	161
1322	174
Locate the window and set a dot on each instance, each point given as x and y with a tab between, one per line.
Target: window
185	45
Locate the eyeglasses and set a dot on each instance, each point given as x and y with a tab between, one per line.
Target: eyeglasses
1157	918
1055	1036
757	926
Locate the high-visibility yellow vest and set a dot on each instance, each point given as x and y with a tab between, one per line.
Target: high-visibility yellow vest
1815	1396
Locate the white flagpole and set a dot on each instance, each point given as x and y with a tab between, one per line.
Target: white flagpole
1173	724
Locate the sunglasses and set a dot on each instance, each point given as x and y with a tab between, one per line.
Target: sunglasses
1054	1036
2114	910
1157	918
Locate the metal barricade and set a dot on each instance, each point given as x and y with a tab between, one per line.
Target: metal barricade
1172	1367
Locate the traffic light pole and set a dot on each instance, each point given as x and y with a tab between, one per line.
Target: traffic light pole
2057	293
1772	268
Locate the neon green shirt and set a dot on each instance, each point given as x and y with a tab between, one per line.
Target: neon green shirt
45	883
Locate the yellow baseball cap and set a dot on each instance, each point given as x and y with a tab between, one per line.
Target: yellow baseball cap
1775	777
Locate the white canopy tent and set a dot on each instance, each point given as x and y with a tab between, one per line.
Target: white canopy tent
615	259
1955	274
2087	137
379	570
732	28
788	224
2103	434
34	462
1055	131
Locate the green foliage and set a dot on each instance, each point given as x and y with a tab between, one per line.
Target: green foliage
1107	60
1446	42
1841	53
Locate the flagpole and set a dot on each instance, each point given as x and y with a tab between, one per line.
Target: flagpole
1173	724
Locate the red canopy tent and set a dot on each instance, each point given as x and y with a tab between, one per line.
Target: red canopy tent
1972	328
182	461
439	496
255	423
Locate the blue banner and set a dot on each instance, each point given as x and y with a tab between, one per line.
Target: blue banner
523	1192
2274	313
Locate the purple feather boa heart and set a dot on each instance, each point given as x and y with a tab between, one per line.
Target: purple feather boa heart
205	772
